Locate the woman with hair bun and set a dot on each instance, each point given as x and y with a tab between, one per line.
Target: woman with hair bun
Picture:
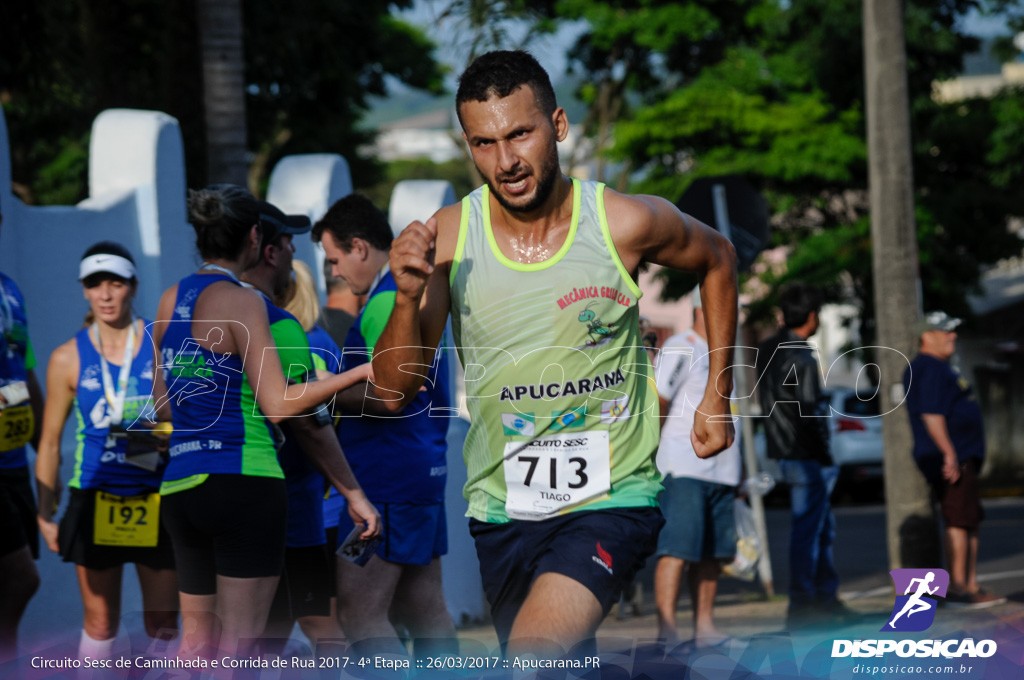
105	375
222	386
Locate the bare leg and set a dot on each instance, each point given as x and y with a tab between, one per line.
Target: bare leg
971	578
364	599
242	607
19	580
419	605
101	600
703	588
668	575
159	601
558	613
956	555
200	629
318	628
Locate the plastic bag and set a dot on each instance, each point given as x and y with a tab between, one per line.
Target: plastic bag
748	545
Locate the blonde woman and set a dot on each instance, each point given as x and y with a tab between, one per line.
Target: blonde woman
309	597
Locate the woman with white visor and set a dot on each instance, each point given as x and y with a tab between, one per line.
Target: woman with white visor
104	374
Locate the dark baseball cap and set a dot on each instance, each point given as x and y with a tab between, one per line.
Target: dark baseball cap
275	223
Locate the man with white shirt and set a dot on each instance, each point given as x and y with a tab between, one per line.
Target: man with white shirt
698	498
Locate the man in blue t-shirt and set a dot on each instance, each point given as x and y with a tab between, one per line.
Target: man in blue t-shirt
949	447
400	461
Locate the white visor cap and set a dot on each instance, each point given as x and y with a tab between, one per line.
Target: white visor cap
106	263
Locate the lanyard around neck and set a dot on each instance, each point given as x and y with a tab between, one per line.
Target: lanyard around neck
208	267
377	279
116	398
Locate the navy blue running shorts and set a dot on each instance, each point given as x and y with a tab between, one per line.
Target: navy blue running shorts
411	533
601	549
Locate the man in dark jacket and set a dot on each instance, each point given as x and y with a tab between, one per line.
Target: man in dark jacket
796	430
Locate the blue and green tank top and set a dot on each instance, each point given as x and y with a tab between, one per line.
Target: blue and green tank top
218	426
413	443
99	463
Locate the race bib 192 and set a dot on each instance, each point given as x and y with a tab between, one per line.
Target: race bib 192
127	521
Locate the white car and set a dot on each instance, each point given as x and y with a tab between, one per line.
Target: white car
856	429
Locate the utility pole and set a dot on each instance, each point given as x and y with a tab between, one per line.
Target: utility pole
911	527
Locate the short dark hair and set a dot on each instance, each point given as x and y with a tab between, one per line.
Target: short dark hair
499	74
797	301
355	216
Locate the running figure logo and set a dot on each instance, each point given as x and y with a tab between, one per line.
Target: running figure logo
914	611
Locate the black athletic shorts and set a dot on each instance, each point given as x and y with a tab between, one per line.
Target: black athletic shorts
230	525
601	549
76	543
306	587
18	525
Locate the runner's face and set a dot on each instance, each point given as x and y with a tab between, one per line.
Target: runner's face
514	147
351	266
110	297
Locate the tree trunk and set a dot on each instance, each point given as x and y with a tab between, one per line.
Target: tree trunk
220	35
912	531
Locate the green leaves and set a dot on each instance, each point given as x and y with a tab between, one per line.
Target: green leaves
311	66
773	90
746	115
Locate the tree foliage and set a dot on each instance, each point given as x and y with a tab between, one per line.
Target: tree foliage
310	66
774	91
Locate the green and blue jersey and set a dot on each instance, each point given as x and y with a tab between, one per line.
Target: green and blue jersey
218	426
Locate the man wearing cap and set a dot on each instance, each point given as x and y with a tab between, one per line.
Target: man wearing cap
697	502
949	447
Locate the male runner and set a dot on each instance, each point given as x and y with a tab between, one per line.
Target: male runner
539	273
